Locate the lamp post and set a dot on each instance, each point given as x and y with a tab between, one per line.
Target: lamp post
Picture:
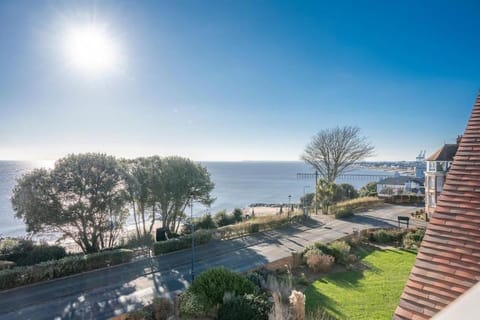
192	272
304	201
288	210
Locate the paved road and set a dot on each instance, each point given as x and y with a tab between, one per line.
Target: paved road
104	293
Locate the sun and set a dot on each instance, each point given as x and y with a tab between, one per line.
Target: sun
91	49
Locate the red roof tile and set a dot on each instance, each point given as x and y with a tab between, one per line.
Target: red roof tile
448	262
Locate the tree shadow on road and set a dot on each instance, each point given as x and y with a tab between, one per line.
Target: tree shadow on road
375	222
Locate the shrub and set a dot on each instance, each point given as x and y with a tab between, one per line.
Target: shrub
224	219
15	249
320	262
344	212
162	308
380	236
256	278
190	305
318	248
205	222
20	276
311	251
413	239
41	253
340	250
237	215
183	242
352	258
26	253
386	235
211	285
248	306
302	280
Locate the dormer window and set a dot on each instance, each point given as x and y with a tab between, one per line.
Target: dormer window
437	166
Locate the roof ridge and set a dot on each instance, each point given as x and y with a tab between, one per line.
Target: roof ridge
450	250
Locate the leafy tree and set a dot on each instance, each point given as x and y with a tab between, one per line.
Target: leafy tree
307	200
224	219
162	188
83	197
205	222
332	151
368	190
344	192
178	182
237	215
143	178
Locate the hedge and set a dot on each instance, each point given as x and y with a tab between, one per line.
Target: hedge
20	276
184	242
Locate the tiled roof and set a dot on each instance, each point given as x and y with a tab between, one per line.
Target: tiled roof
445	153
448	262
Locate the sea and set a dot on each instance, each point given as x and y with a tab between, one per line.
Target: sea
237	185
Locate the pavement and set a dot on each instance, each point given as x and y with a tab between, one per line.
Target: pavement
104	293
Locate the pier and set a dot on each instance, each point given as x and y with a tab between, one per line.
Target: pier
371	177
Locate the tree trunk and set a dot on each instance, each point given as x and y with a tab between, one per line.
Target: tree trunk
153	219
142	210
135	219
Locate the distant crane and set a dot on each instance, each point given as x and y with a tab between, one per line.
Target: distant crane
421	156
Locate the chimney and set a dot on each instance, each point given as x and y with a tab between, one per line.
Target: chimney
459	139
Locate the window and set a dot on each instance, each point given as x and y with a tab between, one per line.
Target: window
431	166
431	183
440	166
439	183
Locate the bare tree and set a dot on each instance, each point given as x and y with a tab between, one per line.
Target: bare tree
332	151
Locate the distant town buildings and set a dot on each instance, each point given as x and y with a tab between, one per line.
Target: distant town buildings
400	185
438	165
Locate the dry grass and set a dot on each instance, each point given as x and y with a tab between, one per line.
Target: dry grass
320	262
358	204
257	224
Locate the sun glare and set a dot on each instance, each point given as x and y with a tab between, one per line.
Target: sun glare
91	49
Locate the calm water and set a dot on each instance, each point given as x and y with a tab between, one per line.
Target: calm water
237	184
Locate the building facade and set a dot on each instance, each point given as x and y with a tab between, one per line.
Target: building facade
437	167
399	185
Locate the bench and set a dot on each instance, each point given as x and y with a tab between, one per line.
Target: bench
404	220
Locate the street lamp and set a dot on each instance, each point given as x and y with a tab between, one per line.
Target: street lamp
192	273
304	201
288	209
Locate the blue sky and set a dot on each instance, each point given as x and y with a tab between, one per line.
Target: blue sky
238	80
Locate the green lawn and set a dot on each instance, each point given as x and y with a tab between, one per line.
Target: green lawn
370	294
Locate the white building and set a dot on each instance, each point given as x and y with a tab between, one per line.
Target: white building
400	185
437	168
